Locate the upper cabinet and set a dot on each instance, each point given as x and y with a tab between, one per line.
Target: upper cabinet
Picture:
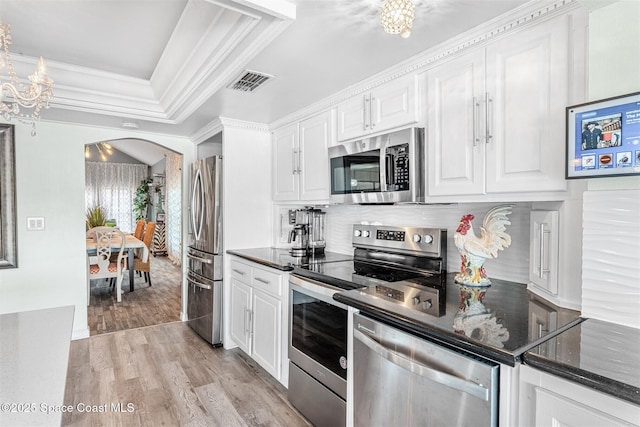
496	115
385	107
301	159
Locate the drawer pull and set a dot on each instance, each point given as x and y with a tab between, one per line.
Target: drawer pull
239	272
266	282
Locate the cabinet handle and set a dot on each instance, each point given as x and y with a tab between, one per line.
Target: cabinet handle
238	271
542	251
246	321
489	116
365	100
266	282
371	122
476	109
299	161
293	161
250	321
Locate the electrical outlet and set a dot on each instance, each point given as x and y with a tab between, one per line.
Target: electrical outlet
35	223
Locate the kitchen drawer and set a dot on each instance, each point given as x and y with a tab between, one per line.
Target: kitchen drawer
267	281
241	271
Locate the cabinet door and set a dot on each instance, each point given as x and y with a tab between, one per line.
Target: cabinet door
455	143
353	118
266	332
556	410
241	315
527	85
316	134
543	251
393	104
285	163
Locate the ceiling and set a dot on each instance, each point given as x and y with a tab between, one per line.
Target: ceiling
164	65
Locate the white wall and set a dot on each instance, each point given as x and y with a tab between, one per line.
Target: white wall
246	151
611	254
50	183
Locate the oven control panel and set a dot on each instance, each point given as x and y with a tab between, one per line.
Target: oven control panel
409	298
424	241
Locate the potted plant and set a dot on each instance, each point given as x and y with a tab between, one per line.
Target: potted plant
96	216
142	199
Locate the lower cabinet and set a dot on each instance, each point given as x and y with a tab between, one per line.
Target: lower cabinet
548	400
258	315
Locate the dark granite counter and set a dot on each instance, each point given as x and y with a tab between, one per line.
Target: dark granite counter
281	259
601	355
499	322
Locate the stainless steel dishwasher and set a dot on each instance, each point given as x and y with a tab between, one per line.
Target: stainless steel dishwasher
403	380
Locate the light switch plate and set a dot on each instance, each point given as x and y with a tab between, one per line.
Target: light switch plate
35	223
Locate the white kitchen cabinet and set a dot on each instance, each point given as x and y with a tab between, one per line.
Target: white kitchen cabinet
548	400
301	159
385	107
496	115
258	315
543	251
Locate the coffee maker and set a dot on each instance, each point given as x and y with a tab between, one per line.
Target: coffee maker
307	235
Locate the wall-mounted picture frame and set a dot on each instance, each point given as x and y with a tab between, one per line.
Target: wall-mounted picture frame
159	217
8	235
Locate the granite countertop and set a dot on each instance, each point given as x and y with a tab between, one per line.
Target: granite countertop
601	355
34	356
281	259
495	322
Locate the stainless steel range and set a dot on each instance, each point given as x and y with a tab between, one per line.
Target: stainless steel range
402	267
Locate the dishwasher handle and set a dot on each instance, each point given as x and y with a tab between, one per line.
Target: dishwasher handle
418	368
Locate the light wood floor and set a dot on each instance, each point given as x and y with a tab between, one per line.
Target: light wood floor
167	375
145	306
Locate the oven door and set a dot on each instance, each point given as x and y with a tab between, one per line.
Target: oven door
318	333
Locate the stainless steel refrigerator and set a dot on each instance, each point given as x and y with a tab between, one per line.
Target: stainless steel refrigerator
204	300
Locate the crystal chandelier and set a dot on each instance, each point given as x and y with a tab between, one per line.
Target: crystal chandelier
396	17
15	94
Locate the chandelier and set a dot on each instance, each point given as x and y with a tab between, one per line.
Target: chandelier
396	17
104	150
15	94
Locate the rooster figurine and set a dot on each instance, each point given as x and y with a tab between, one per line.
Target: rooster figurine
475	250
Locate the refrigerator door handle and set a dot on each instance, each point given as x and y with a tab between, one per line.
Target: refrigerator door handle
217	207
198	284
197	208
197	258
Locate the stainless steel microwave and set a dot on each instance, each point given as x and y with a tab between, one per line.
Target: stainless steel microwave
388	168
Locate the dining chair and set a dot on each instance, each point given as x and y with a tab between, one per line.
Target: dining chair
102	265
139	229
138	264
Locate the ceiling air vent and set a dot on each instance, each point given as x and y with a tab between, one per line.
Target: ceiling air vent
248	81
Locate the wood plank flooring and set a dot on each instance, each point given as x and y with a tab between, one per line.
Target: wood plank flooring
145	306
167	375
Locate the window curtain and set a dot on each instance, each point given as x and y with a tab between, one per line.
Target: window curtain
113	186
174	207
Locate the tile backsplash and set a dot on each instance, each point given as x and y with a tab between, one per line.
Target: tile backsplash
611	256
511	264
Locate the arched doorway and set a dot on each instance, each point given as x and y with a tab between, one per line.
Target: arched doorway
113	178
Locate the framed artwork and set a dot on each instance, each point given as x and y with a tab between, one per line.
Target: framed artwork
8	235
159	217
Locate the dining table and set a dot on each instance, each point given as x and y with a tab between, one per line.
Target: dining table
131	245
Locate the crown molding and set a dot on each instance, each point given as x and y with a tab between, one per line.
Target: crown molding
501	26
219	124
183	79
